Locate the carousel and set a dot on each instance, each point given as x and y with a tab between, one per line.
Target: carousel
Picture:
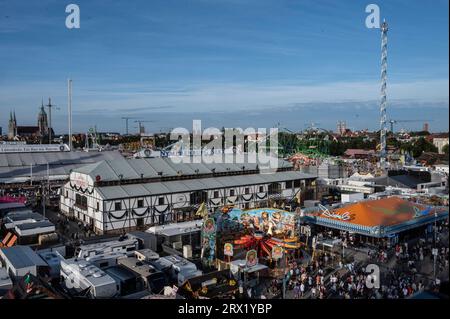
231	232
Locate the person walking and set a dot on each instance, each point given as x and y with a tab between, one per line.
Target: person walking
297	291
302	289
313	292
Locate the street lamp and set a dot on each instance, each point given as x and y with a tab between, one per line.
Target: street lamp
343	251
435	248
284	280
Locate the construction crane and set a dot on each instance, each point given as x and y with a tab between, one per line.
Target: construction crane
126	122
141	128
392	122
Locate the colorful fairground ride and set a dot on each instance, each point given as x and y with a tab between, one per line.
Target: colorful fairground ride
270	232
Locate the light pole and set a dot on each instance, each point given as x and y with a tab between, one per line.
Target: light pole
284	268
31	174
43	199
434	265
45	190
284	279
435	248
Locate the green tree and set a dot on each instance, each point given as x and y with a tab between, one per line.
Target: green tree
420	133
422	145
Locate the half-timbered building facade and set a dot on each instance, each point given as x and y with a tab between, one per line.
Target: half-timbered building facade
127	194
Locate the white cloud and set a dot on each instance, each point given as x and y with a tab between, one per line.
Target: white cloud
246	95
225	97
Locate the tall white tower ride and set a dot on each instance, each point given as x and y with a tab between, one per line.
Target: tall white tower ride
383	124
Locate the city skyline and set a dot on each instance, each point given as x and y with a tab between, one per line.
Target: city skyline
200	60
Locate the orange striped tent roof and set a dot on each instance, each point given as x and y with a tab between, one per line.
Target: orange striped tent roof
381	212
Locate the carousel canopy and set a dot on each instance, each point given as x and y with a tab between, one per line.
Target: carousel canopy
377	218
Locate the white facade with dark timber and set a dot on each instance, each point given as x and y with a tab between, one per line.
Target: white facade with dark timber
127	194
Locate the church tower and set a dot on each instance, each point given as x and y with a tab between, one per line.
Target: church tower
42	121
12	126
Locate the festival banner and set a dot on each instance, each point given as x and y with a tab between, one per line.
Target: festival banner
209	240
268	220
209	226
277	252
228	249
251	258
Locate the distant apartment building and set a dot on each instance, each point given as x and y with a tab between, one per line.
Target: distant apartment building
440	142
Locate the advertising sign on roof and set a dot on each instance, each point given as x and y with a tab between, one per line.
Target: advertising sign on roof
341	216
33	148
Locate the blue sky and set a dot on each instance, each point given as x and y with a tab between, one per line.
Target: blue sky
227	62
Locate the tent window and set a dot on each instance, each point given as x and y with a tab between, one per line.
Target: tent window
81	201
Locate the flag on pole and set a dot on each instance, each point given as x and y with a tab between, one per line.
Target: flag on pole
28	283
202	211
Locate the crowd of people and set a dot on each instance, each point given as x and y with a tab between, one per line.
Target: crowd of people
404	271
350	282
303	280
399	285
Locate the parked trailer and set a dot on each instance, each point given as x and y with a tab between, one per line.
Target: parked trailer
103	261
177	268
126	246
6	208
81	276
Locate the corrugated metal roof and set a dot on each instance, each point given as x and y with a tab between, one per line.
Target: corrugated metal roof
3	161
26	158
256	179
211	183
160	166
169	187
112	192
22	257
135	190
127	169
195	184
143	168
38	158
13	165
177	186
123	169
183	169
202	169
230	181
156	188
